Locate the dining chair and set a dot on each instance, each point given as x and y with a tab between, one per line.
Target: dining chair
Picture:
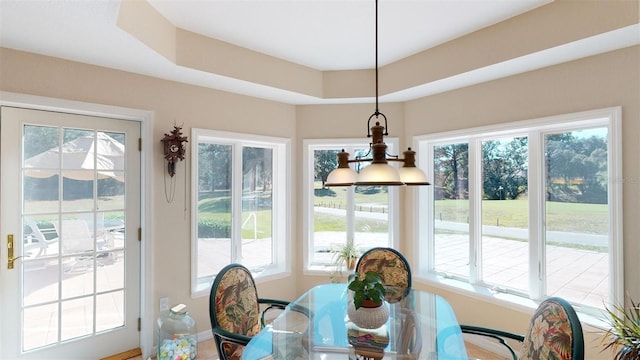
554	332
392	267
235	310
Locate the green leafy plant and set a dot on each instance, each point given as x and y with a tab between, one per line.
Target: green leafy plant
624	335
346	254
367	288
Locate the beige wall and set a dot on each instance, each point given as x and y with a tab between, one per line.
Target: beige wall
605	80
171	103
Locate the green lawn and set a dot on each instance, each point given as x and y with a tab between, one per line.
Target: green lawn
336	197
587	218
328	222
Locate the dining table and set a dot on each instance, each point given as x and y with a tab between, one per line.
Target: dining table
421	325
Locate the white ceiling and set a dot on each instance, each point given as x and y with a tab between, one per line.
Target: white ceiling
338	35
322	34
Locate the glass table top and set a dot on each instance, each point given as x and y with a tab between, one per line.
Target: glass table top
421	325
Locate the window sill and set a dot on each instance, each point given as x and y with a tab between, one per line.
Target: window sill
204	288
510	301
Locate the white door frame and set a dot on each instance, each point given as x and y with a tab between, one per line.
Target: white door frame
145	118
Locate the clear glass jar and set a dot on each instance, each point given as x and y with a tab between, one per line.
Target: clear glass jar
177	337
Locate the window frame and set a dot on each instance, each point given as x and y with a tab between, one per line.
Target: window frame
535	130
281	201
309	146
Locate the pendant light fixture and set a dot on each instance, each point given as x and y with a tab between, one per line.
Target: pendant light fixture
379	172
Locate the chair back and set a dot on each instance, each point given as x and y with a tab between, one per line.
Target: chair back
392	267
553	333
37	239
233	309
75	237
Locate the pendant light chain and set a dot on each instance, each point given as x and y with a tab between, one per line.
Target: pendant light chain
379	172
377	111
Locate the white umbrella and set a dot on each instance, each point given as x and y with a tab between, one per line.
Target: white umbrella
101	153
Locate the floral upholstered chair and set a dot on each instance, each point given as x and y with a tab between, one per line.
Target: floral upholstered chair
392	267
234	310
554	333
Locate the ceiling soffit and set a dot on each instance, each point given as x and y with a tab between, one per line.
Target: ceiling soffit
545	36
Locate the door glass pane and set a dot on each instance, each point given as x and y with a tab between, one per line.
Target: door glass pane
110	277
108	311
69	241
505	213
451	209
41	150
77	318
41	333
38	284
214	209
110	190
577	216
111	229
257	196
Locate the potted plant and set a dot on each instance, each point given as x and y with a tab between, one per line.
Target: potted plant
346	255
366	309
368	291
624	334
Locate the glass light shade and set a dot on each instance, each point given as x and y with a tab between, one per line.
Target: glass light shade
379	174
341	177
413	176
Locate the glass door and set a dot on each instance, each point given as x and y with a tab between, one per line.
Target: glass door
70	219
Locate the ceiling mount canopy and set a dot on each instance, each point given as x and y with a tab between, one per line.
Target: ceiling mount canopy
379	172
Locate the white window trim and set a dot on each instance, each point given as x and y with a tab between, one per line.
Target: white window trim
425	145
281	227
308	195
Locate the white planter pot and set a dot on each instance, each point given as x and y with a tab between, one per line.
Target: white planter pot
368	318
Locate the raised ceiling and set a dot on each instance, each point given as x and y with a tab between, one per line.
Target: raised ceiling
325	35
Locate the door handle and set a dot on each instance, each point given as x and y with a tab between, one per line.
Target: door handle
10	257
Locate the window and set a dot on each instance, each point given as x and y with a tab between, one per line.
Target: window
241	204
363	215
530	209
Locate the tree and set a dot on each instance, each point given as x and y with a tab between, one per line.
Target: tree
451	169
214	167
38	139
576	168
325	161
257	163
504	165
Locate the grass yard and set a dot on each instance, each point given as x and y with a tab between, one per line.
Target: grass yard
584	218
328	222
572	217
336	197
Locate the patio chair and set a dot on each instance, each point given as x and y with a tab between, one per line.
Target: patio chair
77	239
235	312
37	240
392	267
553	333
